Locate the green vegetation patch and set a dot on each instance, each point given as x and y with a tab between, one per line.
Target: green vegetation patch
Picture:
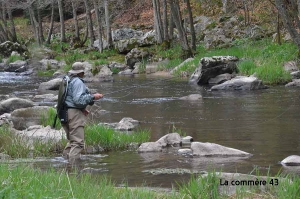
110	139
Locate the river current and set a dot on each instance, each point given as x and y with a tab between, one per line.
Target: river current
264	123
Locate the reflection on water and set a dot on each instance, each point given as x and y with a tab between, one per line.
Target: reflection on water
264	123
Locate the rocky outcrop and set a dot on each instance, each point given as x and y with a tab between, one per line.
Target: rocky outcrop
171	139
41	134
50	64
17	66
12	104
220	78
50	85
8	47
211	149
294	83
126	124
26	117
240	83
134	56
210	67
150	147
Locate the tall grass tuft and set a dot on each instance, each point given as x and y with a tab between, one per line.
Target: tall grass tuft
48	120
201	187
110	139
12	145
13	58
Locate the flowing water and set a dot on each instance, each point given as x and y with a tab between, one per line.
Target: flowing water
264	123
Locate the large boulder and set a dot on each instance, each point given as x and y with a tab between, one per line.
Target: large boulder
126	45
50	85
150	147
240	83
294	83
210	67
8	47
134	56
26	117
126	124
17	66
171	139
211	149
12	104
41	134
49	64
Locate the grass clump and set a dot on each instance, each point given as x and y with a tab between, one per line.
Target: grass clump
25	182
13	59
201	187
11	144
110	139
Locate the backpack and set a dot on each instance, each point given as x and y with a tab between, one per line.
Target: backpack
61	108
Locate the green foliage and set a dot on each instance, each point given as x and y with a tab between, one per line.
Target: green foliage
48	73
201	187
12	145
101	62
48	120
247	67
110	139
170	65
13	58
115	70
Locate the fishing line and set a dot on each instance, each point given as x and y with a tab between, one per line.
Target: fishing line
134	88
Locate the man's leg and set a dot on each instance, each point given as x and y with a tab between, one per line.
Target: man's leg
76	133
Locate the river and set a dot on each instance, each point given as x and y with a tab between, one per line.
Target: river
264	123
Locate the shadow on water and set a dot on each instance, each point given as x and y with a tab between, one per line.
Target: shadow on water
263	123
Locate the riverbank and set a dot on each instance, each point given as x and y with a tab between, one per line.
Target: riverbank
26	182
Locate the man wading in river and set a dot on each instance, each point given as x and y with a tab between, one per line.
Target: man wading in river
77	99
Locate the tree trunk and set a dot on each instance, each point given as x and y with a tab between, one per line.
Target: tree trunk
289	14
35	25
98	18
62	21
165	20
192	29
40	24
74	10
12	26
89	23
157	20
172	26
51	23
181	32
107	21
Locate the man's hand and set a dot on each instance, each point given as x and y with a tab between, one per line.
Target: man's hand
85	112
98	96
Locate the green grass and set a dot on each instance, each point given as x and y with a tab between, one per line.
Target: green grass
26	182
12	145
21	181
110	139
13	58
107	138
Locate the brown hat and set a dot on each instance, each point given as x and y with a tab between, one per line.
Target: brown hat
77	67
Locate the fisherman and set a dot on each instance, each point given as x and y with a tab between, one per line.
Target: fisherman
77	99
